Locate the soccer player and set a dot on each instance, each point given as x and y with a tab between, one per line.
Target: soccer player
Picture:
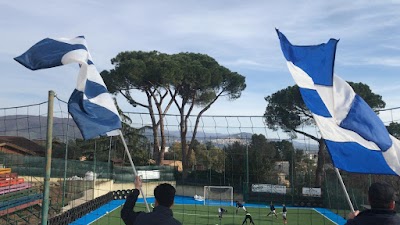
272	208
284	212
221	211
248	216
239	205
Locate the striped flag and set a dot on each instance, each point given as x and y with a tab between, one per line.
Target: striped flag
356	138
90	104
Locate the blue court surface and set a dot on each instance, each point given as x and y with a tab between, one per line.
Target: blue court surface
114	204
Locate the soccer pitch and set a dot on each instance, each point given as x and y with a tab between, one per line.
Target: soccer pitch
208	215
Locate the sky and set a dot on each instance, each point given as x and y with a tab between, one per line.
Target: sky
240	35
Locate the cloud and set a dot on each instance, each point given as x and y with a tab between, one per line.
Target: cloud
238	34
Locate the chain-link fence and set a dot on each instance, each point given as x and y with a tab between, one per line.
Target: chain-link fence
262	165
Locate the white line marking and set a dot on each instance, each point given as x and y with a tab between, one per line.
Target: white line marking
324	216
102	215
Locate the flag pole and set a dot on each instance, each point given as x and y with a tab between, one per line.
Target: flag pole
133	167
344	189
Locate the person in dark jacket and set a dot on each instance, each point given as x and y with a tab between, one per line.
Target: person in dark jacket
161	215
381	197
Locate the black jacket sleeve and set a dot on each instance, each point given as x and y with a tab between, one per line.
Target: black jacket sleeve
127	213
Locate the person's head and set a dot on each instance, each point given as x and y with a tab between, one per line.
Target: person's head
381	196
164	195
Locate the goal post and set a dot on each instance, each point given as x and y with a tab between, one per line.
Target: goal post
217	195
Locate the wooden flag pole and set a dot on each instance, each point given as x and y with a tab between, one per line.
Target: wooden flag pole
133	167
344	189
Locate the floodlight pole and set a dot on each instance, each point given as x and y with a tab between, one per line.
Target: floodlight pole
133	167
49	142
344	189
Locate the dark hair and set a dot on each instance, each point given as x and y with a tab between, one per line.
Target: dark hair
165	194
380	195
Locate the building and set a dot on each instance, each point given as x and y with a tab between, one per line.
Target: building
20	146
282	167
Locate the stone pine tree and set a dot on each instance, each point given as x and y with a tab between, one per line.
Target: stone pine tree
199	82
187	79
149	73
287	111
394	129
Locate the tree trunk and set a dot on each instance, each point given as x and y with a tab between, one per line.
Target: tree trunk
185	159
156	151
161	151
320	164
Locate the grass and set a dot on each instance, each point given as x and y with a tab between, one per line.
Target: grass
208	215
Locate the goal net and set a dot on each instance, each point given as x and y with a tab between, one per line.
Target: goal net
218	195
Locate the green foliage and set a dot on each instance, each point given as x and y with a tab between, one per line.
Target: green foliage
284	150
98	149
286	109
261	155
139	70
200	79
174	152
205	155
394	129
209	156
190	79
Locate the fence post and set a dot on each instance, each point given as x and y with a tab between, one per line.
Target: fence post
49	142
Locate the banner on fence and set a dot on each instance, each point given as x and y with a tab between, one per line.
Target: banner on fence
269	188
313	192
149	174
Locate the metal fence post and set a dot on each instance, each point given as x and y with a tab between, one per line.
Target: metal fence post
49	142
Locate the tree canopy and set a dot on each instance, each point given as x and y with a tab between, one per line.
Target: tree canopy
187	80
200	81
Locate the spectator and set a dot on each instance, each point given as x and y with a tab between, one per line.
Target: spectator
381	197
161	215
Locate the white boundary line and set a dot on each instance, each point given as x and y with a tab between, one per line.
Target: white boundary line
324	216
104	214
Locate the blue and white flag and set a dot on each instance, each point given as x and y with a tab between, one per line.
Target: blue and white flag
356	138
90	105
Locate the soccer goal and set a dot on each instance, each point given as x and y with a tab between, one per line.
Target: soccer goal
218	195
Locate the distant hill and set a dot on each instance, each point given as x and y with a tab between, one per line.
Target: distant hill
35	127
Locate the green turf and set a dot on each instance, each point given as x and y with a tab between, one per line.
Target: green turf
208	215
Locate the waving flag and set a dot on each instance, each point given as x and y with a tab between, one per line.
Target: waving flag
90	105
356	138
